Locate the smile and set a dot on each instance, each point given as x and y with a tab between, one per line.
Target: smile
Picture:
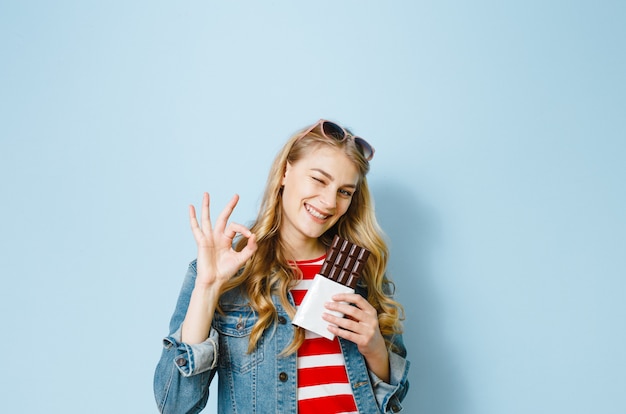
315	213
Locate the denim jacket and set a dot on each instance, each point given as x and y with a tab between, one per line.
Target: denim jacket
261	381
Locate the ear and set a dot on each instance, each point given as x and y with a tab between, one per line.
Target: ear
287	168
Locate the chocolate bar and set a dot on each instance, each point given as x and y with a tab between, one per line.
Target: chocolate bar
344	262
339	274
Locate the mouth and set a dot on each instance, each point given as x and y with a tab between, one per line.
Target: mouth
315	213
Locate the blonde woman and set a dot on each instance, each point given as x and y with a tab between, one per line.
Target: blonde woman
234	311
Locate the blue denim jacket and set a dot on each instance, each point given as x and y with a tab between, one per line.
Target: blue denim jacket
262	381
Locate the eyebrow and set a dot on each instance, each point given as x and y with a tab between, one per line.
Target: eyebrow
330	177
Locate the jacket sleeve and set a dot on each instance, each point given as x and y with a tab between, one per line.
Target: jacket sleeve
390	395
184	372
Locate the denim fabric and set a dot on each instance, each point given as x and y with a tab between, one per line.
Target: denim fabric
261	381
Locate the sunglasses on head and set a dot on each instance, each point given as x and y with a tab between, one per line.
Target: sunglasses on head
331	130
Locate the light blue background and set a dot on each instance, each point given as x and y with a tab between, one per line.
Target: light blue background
499	177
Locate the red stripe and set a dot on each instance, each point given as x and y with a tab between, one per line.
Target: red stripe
309	262
319	346
322	375
298	296
330	405
309	272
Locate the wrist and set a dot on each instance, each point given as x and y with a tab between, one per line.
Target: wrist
378	363
379	354
211	291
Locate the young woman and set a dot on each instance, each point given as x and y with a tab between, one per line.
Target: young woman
238	297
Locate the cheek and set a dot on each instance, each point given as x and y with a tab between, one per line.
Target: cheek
343	206
300	188
292	194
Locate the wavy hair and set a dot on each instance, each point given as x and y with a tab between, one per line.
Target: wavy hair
269	271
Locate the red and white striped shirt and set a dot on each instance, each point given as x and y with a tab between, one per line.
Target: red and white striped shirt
323	386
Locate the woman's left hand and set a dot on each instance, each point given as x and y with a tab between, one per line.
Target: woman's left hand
360	325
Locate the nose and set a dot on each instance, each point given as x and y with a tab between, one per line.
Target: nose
329	198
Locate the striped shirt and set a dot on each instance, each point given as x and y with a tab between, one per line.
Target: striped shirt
323	386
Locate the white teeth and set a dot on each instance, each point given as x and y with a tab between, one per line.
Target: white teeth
315	213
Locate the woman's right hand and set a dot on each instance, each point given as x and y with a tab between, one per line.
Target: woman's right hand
217	260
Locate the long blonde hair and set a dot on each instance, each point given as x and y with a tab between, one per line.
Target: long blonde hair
269	271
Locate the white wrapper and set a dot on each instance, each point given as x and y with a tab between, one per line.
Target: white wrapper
309	314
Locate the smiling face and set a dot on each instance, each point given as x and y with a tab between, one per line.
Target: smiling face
318	189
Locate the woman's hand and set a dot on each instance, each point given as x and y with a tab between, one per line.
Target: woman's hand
360	325
217	260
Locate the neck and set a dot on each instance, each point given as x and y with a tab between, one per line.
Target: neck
303	250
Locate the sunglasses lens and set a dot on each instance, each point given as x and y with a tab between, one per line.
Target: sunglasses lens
333	130
366	149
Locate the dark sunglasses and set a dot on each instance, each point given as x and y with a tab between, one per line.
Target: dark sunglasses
333	131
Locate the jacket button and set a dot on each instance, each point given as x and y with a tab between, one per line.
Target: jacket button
395	408
282	320
181	362
239	326
283	376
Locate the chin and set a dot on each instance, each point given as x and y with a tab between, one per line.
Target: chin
314	234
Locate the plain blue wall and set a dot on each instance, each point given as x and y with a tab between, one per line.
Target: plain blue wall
499	178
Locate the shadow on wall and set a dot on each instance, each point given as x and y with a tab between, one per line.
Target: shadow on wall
413	230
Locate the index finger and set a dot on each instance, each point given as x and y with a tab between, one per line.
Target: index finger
350	298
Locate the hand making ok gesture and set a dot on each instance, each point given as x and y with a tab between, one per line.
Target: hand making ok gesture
217	260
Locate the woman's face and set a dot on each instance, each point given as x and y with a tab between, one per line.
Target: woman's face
317	191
